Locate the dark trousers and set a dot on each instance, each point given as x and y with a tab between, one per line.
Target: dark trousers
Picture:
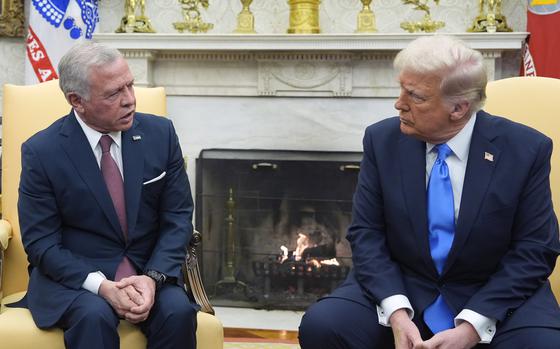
336	323
91	322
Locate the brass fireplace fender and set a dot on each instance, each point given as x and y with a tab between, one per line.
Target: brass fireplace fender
11	18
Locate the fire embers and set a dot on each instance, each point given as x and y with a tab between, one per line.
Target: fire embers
316	248
307	272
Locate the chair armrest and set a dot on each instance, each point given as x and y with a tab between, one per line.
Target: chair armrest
191	272
5	234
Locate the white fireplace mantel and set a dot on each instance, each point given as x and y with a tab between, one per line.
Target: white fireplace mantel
326	65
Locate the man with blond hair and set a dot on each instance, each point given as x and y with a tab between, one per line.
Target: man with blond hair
453	233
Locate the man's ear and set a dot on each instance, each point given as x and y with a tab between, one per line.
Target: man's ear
460	110
75	101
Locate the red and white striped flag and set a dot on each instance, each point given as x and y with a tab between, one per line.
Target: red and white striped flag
54	27
541	54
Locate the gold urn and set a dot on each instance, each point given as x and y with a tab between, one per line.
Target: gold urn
304	17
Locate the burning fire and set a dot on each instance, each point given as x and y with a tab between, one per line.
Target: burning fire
303	242
331	261
284	255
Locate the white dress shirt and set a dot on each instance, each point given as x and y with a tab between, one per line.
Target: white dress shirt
457	163
94	280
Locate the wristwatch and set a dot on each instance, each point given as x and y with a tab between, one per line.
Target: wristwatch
158	277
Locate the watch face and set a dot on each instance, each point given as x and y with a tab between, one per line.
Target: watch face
158	277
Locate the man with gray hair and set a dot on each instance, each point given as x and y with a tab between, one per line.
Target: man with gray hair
453	234
105	211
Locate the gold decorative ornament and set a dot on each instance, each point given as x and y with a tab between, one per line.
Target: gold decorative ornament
366	19
427	24
304	17
229	282
11	18
133	23
490	18
191	13
245	19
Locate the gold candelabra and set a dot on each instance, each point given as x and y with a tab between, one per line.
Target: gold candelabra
133	22
245	19
304	17
229	281
193	20
490	18
427	24
366	19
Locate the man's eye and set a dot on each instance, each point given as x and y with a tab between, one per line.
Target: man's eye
113	95
416	98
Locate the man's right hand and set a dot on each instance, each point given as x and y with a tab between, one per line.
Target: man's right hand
121	299
404	330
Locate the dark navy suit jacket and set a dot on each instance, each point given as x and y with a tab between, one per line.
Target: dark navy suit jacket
506	239
68	222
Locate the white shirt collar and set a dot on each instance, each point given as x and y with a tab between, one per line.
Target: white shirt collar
461	142
93	136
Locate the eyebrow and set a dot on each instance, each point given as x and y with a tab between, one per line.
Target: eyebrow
115	90
413	91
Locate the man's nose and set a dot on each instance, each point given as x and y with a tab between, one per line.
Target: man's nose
400	105
128	96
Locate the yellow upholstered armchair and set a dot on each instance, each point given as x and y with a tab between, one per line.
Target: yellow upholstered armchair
28	109
532	101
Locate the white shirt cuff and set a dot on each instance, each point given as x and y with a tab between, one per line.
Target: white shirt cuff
391	304
93	281
484	326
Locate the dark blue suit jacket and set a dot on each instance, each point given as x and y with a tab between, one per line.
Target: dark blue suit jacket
506	239
68	222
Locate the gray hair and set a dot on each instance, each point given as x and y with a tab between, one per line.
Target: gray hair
75	65
461	69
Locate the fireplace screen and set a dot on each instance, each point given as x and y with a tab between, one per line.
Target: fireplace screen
274	225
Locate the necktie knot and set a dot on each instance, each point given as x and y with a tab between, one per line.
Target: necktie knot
443	151
105	142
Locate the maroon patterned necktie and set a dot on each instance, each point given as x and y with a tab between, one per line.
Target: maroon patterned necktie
114	182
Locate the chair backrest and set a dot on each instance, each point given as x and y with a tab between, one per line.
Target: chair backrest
27	110
532	102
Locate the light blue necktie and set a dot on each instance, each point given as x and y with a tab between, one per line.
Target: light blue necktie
441	227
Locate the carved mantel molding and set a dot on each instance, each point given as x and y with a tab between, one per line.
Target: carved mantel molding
349	65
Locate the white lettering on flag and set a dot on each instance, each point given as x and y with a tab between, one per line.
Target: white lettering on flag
54	27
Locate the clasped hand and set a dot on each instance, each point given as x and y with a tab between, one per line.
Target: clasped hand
407	336
132	297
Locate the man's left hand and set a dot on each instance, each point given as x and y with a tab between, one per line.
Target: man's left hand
463	336
146	286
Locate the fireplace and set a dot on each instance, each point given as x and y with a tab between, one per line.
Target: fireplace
274	224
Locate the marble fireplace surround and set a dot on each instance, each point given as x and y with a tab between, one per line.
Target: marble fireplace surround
286	92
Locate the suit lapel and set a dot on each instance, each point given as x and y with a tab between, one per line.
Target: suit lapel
477	177
75	144
412	157
133	169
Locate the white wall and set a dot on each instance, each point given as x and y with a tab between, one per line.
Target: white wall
336	16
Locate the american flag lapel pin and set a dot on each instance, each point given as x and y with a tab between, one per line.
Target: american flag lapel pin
136	138
488	156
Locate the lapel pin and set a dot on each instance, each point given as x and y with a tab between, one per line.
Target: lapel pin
488	156
136	138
